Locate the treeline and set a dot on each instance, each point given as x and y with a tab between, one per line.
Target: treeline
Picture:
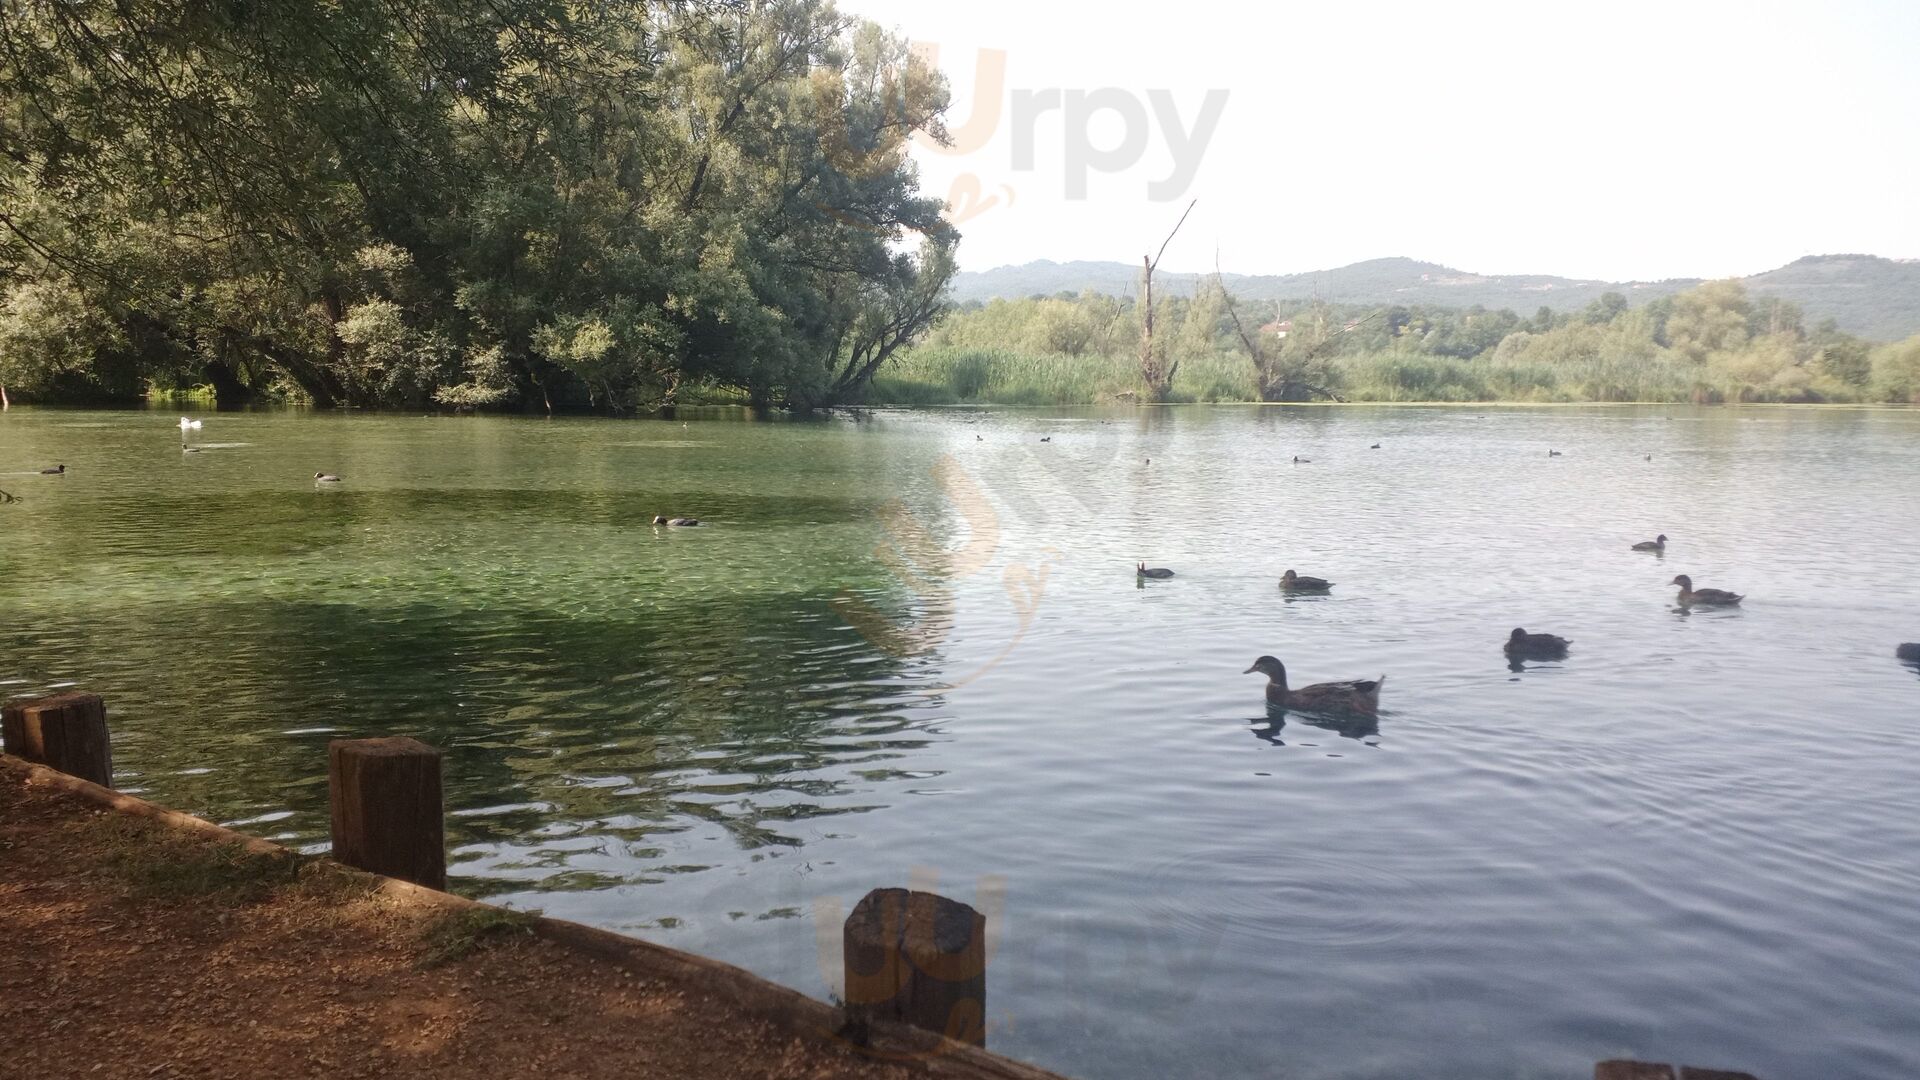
1714	343
461	203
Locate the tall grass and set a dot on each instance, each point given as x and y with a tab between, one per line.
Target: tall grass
962	376
958	376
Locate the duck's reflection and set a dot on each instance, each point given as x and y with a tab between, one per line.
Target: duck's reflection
1358	728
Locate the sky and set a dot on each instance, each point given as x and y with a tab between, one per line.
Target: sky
1618	141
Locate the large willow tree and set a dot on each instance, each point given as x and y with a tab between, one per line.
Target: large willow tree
474	202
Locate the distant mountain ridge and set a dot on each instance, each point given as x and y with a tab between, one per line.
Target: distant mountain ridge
1867	295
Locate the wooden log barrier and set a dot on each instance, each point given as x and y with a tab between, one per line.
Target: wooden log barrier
920	959
387	811
67	732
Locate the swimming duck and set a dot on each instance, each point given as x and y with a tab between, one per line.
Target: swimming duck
1375	446
1536	646
190	425
1298	460
1160	572
1554	453
1690	596
677	523
1360	696
1047	438
1658	543
1292	582
325	478
1909	652
57	470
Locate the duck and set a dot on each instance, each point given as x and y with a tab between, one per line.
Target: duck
1536	646
325	478
1298	460
1157	572
1046	438
1909	652
677	523
1692	597
1292	582
1554	453
1658	543
187	424
57	470
1375	446
1359	696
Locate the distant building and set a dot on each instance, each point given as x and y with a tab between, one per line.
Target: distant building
1278	329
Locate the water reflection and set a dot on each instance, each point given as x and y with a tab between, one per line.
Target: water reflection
1358	728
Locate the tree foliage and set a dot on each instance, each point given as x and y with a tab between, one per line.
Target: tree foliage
469	202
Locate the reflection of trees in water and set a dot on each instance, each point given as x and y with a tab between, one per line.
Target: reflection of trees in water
589	710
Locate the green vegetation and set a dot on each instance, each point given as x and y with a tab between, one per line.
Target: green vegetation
461	203
1710	344
455	935
155	862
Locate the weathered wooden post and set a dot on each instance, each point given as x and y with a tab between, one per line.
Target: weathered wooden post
67	732
920	959
387	811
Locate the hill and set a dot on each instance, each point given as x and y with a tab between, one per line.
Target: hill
1867	295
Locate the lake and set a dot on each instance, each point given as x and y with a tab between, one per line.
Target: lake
912	648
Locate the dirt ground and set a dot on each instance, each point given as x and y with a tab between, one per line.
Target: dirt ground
129	950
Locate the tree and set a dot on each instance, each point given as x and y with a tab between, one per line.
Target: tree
1155	371
1609	306
471	202
1708	319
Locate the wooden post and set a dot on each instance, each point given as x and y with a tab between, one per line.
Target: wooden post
919	959
387	812
67	732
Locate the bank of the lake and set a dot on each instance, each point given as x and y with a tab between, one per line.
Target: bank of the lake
1002	376
148	944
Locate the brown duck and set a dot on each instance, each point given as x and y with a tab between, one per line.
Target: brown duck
1692	597
677	523
1658	543
1522	645
1360	696
1292	582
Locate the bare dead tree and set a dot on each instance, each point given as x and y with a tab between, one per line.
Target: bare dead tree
1159	383
1281	377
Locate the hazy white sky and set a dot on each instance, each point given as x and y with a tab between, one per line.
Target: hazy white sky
1616	140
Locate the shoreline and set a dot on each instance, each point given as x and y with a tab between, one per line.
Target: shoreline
124	951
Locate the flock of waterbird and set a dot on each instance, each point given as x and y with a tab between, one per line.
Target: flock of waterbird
1360	696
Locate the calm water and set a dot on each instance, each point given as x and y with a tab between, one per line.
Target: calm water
913	649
